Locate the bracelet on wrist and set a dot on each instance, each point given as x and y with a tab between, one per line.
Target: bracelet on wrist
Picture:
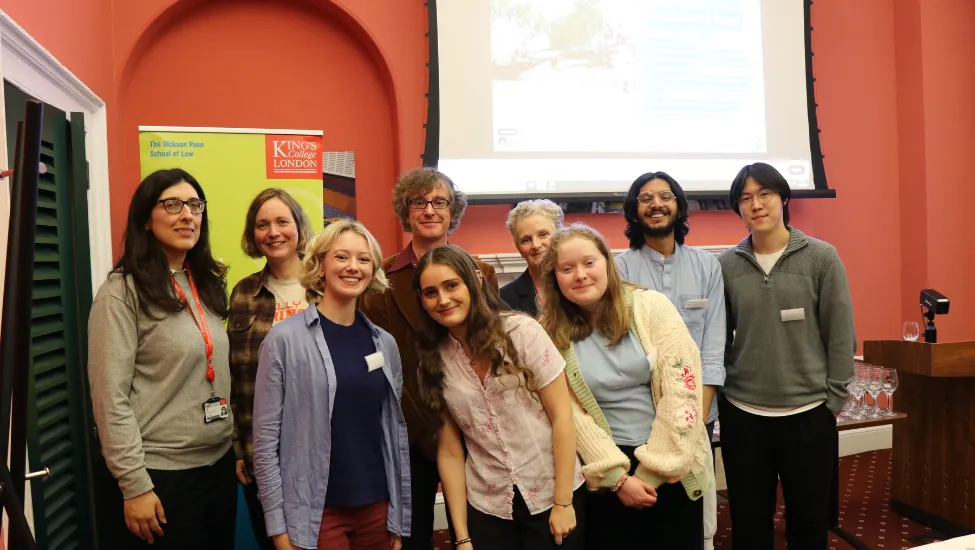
562	505
621	482
462	541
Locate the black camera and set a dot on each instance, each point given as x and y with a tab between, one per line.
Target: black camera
934	301
937	304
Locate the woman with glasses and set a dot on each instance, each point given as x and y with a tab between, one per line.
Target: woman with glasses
532	224
276	229
159	373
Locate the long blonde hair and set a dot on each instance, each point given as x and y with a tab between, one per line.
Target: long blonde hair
565	321
319	246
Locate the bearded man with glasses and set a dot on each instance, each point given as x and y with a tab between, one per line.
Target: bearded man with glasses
656	224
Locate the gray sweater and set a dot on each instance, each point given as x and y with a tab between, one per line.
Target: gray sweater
148	384
776	363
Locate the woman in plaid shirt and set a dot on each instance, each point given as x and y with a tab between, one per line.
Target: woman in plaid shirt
277	229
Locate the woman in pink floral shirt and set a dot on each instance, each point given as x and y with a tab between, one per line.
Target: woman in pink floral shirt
498	381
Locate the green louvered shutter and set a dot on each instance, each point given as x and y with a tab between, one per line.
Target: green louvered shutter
58	417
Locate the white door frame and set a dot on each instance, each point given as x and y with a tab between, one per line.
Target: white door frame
30	67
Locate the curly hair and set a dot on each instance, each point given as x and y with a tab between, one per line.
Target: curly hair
634	230
535	207
562	319
419	182
319	246
486	334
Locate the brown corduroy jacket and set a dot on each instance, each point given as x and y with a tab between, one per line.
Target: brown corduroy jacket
398	312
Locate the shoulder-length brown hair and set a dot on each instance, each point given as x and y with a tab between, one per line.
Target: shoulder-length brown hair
247	242
486	335
565	321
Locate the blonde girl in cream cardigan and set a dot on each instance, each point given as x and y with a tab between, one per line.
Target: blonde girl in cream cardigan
635	373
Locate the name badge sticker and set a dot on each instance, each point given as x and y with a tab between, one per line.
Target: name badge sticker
696	303
798	314
375	361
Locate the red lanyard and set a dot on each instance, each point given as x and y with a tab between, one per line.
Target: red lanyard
201	321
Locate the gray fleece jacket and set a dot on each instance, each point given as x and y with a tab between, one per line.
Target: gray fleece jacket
773	362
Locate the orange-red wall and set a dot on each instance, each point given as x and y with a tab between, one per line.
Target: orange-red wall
77	32
895	83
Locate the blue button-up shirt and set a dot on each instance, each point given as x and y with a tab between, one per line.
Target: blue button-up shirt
687	278
293	398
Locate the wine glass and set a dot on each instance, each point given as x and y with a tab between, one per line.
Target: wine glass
875	386
889	387
911	331
857	388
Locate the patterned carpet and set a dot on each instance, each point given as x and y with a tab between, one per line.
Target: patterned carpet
864	511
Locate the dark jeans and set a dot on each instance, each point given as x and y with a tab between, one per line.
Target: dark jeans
424	480
758	452
675	522
256	513
525	531
200	506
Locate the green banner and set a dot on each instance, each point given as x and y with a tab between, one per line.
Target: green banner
233	166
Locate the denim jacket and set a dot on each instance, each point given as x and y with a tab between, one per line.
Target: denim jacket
293	399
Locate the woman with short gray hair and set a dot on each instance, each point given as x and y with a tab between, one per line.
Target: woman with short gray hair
532	223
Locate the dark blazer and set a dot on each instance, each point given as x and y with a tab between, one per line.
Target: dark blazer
520	294
397	311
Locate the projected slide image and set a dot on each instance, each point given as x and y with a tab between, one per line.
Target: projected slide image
627	76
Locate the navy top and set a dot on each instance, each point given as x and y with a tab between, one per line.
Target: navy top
357	471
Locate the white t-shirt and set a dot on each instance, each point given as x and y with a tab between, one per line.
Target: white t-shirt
289	297
767	261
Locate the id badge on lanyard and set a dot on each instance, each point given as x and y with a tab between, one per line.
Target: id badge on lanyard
215	408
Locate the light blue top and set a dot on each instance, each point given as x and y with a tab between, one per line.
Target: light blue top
619	379
690	274
293	399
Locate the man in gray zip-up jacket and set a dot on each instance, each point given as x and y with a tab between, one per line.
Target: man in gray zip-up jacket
814	351
788	358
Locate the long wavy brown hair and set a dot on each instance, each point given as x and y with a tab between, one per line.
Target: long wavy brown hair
486	335
565	321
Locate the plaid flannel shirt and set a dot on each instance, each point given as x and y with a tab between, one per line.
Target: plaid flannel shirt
250	320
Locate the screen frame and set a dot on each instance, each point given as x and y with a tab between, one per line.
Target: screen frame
431	150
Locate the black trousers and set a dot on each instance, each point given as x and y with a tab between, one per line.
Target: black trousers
256	512
758	452
200	506
525	531
424	480
675	522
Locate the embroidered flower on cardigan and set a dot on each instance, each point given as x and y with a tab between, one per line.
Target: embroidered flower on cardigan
685	374
689	414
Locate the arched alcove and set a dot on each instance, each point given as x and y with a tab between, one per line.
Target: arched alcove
305	65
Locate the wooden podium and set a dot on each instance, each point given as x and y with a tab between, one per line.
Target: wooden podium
933	452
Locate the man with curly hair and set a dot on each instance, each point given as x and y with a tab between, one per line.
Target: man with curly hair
430	207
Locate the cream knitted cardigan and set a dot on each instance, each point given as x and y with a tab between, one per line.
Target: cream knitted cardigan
678	444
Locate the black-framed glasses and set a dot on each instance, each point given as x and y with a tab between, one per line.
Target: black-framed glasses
764	196
175	206
438	203
664	196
